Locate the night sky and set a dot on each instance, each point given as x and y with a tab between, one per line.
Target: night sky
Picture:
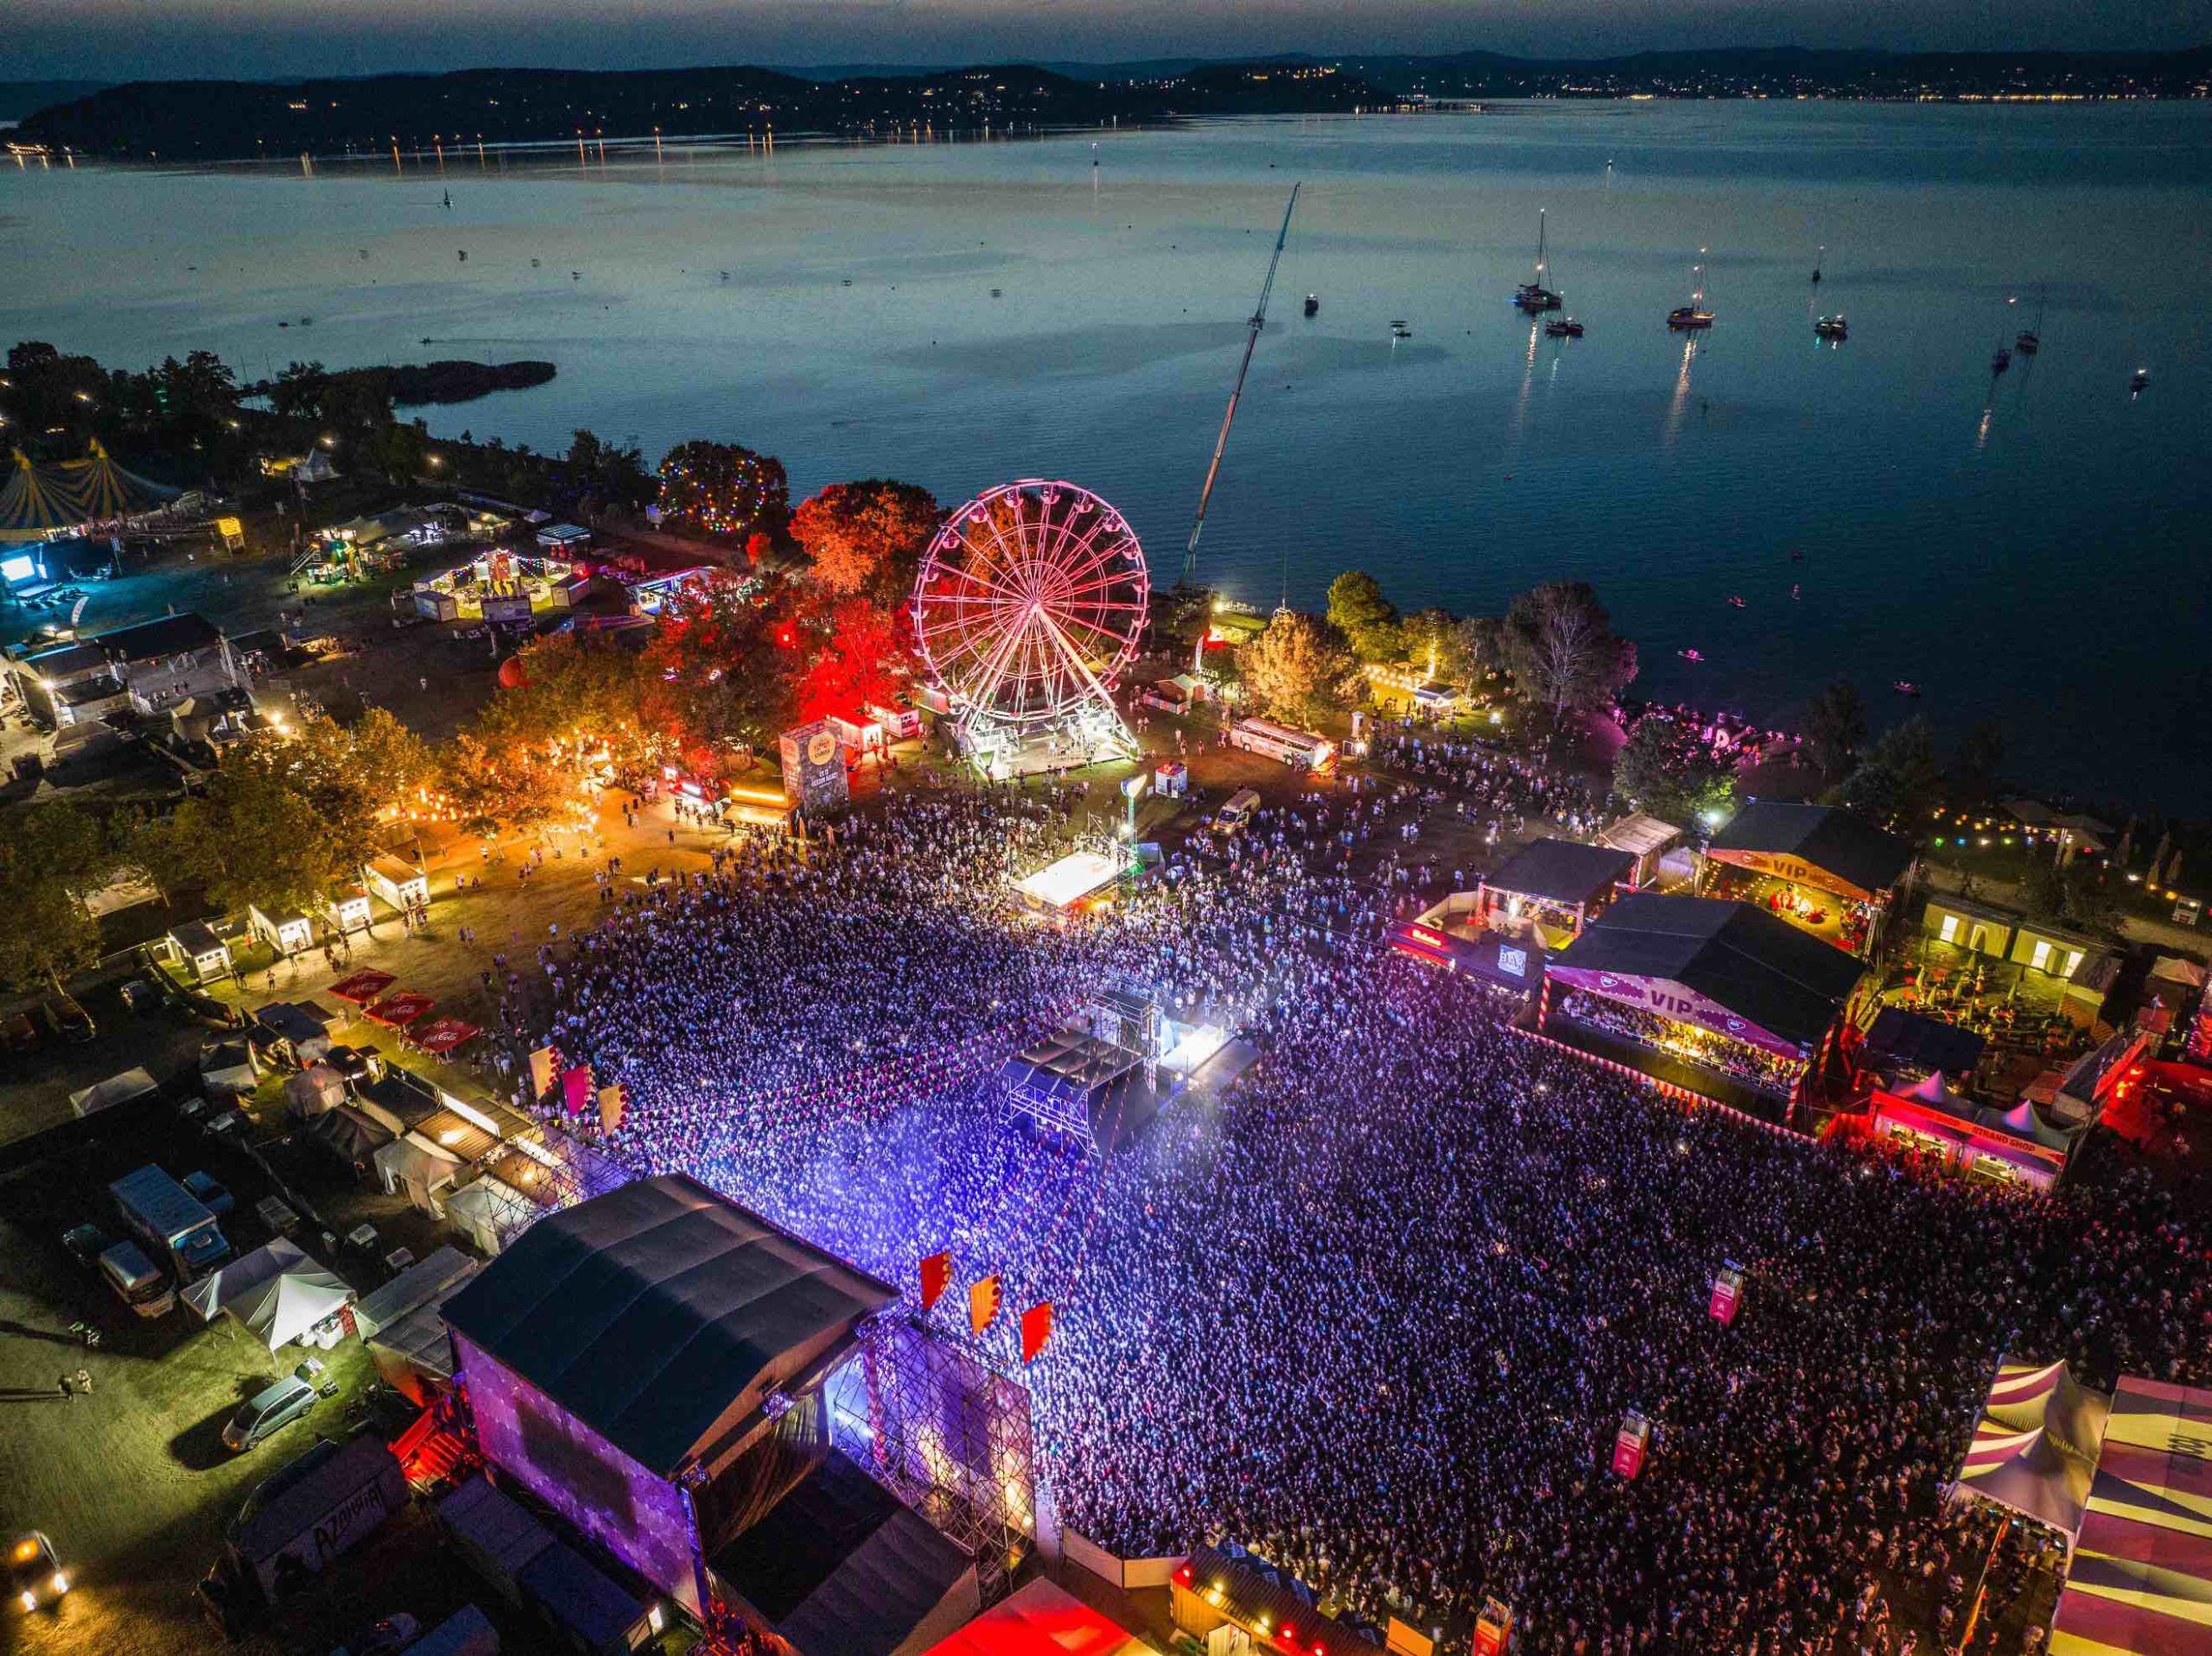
131	39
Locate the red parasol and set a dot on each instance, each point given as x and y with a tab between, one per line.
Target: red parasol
363	987
441	1035
403	1008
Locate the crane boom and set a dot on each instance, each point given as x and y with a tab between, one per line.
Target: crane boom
1221	443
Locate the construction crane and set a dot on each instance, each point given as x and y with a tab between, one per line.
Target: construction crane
1221	443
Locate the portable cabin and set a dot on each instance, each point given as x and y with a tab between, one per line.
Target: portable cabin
205	955
286	934
401	885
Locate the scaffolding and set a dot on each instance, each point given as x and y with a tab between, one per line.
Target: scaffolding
1099	1078
938	1426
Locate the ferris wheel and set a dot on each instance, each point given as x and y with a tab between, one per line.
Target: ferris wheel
1029	601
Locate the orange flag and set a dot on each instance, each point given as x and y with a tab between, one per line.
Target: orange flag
1036	1329
936	1276
983	1303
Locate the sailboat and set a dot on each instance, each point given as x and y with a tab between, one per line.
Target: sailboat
2029	340
1533	296
1694	315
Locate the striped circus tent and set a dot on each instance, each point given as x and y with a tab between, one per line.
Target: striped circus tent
2140	1581
2035	1449
36	500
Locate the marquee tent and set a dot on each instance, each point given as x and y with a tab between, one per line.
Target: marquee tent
2140	1582
2036	1448
275	1292
36	500
1818	846
352	1136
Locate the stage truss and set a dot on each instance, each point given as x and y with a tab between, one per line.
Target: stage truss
1118	1029
939	1427
1030	601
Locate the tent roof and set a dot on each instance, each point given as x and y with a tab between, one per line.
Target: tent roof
277	1291
1762	969
1041	1619
1847	846
163	635
2141	1575
1924	1043
420	1283
349	1134
2036	1444
650	1311
1640	835
1562	871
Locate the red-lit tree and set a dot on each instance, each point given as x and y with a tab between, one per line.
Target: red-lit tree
866	658
721	668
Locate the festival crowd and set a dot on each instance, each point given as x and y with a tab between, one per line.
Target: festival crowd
1376	1306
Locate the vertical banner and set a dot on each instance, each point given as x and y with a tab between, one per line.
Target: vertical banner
1494	1628
544	1062
575	1088
983	1303
1036	1329
1630	1444
936	1276
613	1105
1727	1293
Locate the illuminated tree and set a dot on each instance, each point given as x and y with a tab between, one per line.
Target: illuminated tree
491	781
866	536
1299	668
1563	651
723	488
867	659
577	695
721	668
1359	609
1664	770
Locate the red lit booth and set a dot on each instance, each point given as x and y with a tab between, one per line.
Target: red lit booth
2013	1147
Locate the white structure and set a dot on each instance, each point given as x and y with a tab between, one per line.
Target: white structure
344	909
1068	883
1299	748
287	934
276	1292
398	884
565	538
207	956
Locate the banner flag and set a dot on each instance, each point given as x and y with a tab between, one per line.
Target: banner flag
983	1303
575	1088
543	1062
1036	1329
613	1105
937	1277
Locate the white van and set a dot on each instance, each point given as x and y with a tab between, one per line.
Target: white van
135	1281
1236	816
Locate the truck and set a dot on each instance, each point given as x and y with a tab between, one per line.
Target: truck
173	1223
344	1497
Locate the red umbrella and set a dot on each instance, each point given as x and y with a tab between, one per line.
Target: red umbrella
403	1008
363	987
441	1035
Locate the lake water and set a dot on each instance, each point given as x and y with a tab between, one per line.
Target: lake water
2031	548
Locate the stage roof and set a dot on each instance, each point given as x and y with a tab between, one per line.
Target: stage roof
2141	1580
1760	968
1067	882
661	1313
1561	871
1835	840
1041	1620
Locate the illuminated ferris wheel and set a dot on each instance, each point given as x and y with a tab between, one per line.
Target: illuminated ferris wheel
1029	602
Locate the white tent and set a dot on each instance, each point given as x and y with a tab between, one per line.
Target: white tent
314	1090
490	1213
116	1089
276	1292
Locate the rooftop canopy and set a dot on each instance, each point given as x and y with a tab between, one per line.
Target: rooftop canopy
1813	845
662	1315
1561	871
2141	1576
1739	963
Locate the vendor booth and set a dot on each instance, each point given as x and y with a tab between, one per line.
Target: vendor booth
400	885
207	956
1549	889
277	1294
2018	1146
1723	999
1818	867
285	934
500	586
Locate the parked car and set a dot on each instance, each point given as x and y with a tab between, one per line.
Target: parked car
84	1244
34	1572
267	1412
19	1034
213	1195
135	1280
141	996
70	1021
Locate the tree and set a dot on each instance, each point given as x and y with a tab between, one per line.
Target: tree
866	536
349	775
723	488
1560	644
720	667
399	449
52	858
1898	779
610	474
1665	770
1300	668
865	660
1973	771
2075	895
1359	609
252	840
1447	647
491	782
1835	728
576	696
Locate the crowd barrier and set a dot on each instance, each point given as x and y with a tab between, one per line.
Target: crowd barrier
1079	1549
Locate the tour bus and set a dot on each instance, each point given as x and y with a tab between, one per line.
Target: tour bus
1297	748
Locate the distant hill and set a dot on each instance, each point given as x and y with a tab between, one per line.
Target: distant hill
228	120
22	98
225	120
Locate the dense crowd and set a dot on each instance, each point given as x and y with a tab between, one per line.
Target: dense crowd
1377	1307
